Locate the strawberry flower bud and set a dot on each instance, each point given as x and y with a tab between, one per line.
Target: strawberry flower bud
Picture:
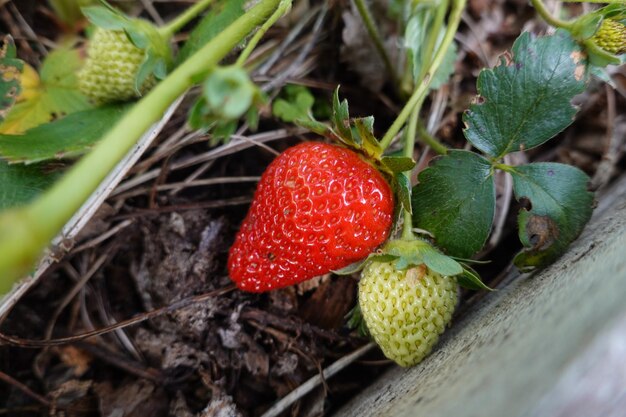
611	37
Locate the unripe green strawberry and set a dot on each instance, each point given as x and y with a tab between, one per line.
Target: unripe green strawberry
406	310
611	36
111	68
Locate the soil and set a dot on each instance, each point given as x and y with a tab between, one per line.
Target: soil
211	350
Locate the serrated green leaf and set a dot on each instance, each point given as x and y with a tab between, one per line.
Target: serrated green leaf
294	103
446	69
56	96
10	72
560	208
105	17
19	184
69	11
341	117
417	35
398	164
67	137
526	100
222	131
455	200
222	14
471	280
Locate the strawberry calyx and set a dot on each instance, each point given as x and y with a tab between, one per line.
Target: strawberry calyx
404	254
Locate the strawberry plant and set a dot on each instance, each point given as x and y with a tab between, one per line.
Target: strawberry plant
353	206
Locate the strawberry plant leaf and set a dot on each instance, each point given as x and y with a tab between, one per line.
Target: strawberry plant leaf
19	184
526	100
10	70
455	201
105	17
56	95
295	102
560	206
67	137
446	69
69	11
418	31
222	14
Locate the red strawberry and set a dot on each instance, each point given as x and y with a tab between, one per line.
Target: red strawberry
317	208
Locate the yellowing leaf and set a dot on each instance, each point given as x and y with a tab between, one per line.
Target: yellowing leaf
54	95
30	83
10	69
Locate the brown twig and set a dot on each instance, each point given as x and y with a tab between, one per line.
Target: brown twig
30	343
18	385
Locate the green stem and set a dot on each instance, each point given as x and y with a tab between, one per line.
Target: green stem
25	232
547	16
283	8
409	146
177	24
372	30
431	141
503	167
422	89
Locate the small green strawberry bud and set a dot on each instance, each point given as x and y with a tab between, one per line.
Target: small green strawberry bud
611	36
406	311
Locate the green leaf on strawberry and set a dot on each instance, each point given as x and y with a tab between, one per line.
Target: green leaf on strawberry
526	100
295	102
20	184
455	201
221	14
10	70
559	208
68	137
54	92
